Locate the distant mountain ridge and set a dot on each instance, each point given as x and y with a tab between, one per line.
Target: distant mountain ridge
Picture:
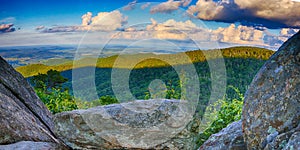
148	60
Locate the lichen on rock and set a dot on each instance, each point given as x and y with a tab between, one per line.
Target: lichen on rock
272	101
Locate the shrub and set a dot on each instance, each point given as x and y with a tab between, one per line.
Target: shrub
57	101
229	112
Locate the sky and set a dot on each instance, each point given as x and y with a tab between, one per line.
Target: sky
189	23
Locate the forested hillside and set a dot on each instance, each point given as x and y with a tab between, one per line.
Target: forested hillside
128	59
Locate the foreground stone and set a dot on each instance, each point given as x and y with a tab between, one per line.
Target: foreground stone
271	111
23	117
229	138
149	124
31	145
294	142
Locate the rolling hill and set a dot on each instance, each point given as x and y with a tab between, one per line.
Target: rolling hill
130	59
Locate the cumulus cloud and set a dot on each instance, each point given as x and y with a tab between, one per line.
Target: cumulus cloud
103	21
86	19
171	29
240	34
4	28
271	14
169	6
108	21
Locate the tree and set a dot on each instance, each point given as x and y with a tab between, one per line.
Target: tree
49	89
53	79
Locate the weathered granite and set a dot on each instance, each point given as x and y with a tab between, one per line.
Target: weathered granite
21	89
147	124
31	145
294	142
23	117
272	102
229	138
280	141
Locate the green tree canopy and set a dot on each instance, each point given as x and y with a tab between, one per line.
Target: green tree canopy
53	79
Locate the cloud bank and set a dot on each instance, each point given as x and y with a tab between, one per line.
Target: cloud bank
234	34
169	29
270	13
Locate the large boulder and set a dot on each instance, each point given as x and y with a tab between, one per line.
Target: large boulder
146	124
31	145
23	117
294	142
271	112
229	138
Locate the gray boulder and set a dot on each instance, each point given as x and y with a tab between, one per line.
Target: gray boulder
229	138
23	117
271	107
31	145
149	124
294	142
286	140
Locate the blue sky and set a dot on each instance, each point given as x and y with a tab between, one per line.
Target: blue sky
224	21
31	13
53	11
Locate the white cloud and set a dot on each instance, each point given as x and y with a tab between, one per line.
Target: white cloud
86	19
171	24
207	9
108	21
288	32
240	35
169	29
169	6
103	21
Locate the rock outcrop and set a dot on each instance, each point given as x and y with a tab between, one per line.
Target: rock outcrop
151	124
23	117
230	137
272	102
